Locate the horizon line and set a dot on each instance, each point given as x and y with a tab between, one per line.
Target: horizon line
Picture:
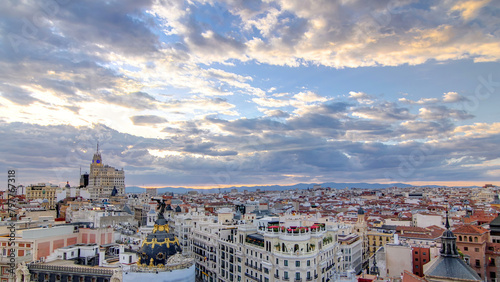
415	183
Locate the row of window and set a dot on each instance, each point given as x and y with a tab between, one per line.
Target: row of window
475	249
467	239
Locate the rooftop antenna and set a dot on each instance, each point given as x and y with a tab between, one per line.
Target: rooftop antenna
97	146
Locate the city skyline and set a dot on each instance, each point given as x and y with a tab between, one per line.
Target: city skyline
234	93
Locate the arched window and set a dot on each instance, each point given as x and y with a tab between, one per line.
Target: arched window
460	238
475	239
470	239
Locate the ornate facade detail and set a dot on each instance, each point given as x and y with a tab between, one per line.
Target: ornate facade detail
22	273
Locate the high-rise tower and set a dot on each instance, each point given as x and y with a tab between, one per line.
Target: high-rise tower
103	179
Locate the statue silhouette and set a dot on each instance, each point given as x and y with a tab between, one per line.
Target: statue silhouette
160	206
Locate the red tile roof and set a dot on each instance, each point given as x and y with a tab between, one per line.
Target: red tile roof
410	277
470	229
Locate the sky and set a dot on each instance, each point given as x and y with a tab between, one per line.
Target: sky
233	92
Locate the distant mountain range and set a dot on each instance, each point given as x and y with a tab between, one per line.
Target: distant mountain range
182	190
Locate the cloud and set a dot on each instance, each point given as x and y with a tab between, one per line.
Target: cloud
137	100
453	97
385	111
170	91
425	129
361	97
448	97
309	97
275	113
270	102
258	149
423	101
17	95
246	126
441	112
147	120
206	149
469	9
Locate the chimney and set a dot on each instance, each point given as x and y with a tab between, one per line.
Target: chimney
396	238
101	256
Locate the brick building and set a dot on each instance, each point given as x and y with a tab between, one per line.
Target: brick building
492	261
472	241
420	256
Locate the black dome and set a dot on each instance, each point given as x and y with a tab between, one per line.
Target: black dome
160	245
361	211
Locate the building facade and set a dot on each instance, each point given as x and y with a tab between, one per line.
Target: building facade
42	191
247	252
351	247
420	256
471	241
378	239
104	180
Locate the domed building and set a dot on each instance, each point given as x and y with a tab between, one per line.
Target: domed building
160	256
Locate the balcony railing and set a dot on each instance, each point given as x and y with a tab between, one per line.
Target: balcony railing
253	266
17	259
70	269
252	277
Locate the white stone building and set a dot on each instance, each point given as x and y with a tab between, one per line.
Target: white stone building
278	251
103	179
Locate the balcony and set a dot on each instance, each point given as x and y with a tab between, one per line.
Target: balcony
295	253
253	266
70	269
252	277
